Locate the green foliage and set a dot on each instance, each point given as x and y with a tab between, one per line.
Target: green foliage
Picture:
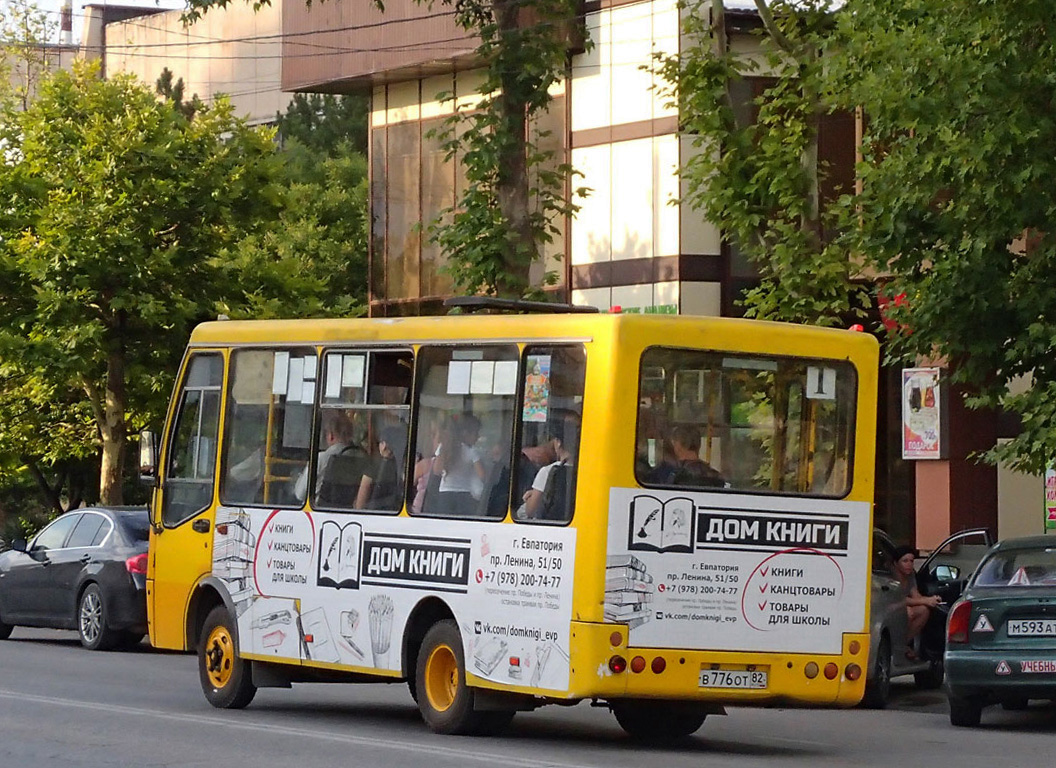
325	122
25	28
758	179
958	166
117	215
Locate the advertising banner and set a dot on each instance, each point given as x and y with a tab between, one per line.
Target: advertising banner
922	414
1050	498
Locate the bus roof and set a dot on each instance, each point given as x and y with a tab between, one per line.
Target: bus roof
672	330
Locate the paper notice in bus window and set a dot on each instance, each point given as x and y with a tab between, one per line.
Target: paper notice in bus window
295	385
333	376
310	363
821	383
536	388
280	373
459	373
308	392
481	376
352	371
505	377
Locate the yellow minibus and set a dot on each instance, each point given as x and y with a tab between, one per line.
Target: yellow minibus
661	514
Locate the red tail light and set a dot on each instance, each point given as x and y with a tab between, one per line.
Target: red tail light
957	627
137	564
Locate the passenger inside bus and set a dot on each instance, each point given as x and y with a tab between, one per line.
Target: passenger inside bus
381	487
336	434
552	489
459	467
683	466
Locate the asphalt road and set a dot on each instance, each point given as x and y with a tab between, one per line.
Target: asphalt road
63	706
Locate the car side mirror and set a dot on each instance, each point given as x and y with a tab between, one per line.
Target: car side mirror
19	545
947	573
148	457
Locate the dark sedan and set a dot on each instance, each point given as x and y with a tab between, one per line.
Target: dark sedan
1001	637
87	570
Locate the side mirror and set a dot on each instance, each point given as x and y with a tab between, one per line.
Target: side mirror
19	545
947	573
148	457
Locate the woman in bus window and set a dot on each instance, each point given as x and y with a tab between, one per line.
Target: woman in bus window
459	466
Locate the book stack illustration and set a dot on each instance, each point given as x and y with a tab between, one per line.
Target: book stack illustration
234	545
628	590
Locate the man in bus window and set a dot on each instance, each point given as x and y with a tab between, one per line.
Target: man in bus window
545	500
337	436
381	487
686	467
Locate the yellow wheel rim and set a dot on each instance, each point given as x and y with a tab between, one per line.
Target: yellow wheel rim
219	657
441	678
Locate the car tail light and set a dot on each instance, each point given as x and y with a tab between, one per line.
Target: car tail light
137	564
957	628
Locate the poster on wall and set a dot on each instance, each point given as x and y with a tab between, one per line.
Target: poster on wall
921	414
1050	498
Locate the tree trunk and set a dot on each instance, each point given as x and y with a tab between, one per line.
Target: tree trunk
512	183
113	429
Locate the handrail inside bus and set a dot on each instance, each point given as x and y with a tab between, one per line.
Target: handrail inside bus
477	303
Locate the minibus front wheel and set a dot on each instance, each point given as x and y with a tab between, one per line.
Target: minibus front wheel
445	701
225	677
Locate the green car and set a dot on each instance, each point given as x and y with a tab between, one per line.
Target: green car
1001	635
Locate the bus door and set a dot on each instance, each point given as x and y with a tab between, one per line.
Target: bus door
181	541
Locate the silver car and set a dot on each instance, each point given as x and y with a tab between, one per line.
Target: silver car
944	572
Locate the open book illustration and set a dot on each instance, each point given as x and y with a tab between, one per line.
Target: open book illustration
662	526
340	549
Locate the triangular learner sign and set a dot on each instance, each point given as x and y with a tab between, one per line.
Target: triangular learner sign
1019	578
1003	668
983	624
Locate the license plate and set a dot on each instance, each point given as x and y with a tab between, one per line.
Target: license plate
745	679
1032	628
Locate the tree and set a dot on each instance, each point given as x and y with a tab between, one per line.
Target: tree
958	203
325	122
172	92
117	215
24	58
515	190
756	173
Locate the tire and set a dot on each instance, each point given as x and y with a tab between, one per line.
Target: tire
444	699
658	722
878	687
5	630
965	713
225	677
931	678
92	621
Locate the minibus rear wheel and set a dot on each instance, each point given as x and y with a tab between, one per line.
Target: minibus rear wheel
225	677
444	699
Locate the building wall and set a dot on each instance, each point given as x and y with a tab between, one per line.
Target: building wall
235	51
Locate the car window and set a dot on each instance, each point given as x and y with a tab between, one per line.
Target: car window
1019	568
959	556
883	554
86	529
135	529
55	534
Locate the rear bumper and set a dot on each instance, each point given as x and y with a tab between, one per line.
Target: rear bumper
680	679
127	605
975	673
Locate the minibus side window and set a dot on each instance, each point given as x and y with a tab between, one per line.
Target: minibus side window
364	414
466	399
268	429
551	420
191	459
